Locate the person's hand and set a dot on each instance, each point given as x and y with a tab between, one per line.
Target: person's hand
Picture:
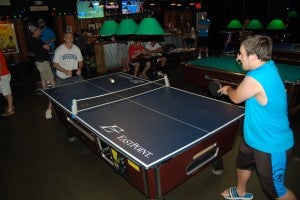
78	72
68	72
224	89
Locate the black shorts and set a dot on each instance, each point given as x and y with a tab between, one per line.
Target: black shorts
270	168
202	41
142	61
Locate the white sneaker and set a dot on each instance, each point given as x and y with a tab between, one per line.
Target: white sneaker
217	172
160	74
48	114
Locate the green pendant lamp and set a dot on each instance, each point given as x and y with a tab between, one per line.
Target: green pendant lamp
276	24
149	26
108	28
234	24
254	24
126	27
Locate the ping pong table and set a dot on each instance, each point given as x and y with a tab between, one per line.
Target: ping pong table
153	135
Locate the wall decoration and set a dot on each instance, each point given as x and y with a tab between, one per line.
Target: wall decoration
8	41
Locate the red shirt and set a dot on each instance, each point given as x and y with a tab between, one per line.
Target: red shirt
3	67
133	49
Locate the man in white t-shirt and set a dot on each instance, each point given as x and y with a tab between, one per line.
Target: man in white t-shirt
155	50
68	61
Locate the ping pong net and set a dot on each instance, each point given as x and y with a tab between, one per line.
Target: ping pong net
79	105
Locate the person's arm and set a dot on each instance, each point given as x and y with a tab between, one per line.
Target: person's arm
80	66
47	47
59	68
248	88
0	70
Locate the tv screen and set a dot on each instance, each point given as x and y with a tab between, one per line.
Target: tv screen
131	7
89	9
111	9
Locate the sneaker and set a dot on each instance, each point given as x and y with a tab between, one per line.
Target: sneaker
144	76
7	113
160	74
71	139
48	114
217	172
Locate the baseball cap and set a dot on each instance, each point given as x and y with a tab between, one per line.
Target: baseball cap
32	28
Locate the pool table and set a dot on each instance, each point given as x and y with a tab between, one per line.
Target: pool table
227	71
288	53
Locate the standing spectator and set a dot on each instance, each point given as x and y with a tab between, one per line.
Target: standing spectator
42	62
203	31
68	63
82	40
5	86
189	36
268	138
47	36
137	59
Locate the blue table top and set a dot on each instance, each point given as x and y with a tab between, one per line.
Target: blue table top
148	128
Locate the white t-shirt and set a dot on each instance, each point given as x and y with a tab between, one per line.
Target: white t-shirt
67	59
152	48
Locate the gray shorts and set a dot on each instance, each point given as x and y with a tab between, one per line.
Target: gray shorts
45	70
5	85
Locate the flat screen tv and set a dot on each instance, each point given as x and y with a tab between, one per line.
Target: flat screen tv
113	9
131	7
89	9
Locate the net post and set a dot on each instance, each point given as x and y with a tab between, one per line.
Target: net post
167	83
74	107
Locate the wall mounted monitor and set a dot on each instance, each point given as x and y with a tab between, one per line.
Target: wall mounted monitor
131	7
89	9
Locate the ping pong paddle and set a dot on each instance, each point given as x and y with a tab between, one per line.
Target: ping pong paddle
74	72
214	87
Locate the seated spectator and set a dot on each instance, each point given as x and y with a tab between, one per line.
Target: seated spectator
136	54
154	49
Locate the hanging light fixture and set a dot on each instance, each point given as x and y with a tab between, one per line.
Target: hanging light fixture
108	28
173	3
254	24
234	24
152	3
192	3
126	27
276	24
149	26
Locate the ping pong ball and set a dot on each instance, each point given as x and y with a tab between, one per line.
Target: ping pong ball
111	80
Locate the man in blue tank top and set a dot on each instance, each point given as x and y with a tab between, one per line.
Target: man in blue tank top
268	139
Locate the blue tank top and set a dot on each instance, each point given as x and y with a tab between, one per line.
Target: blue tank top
266	127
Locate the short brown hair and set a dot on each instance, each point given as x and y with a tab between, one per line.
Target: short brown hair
259	45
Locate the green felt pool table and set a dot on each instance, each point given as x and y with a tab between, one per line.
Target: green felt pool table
226	70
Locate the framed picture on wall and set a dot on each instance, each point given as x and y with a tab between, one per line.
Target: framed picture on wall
92	27
8	40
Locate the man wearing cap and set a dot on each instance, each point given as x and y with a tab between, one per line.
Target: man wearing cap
42	62
47	36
